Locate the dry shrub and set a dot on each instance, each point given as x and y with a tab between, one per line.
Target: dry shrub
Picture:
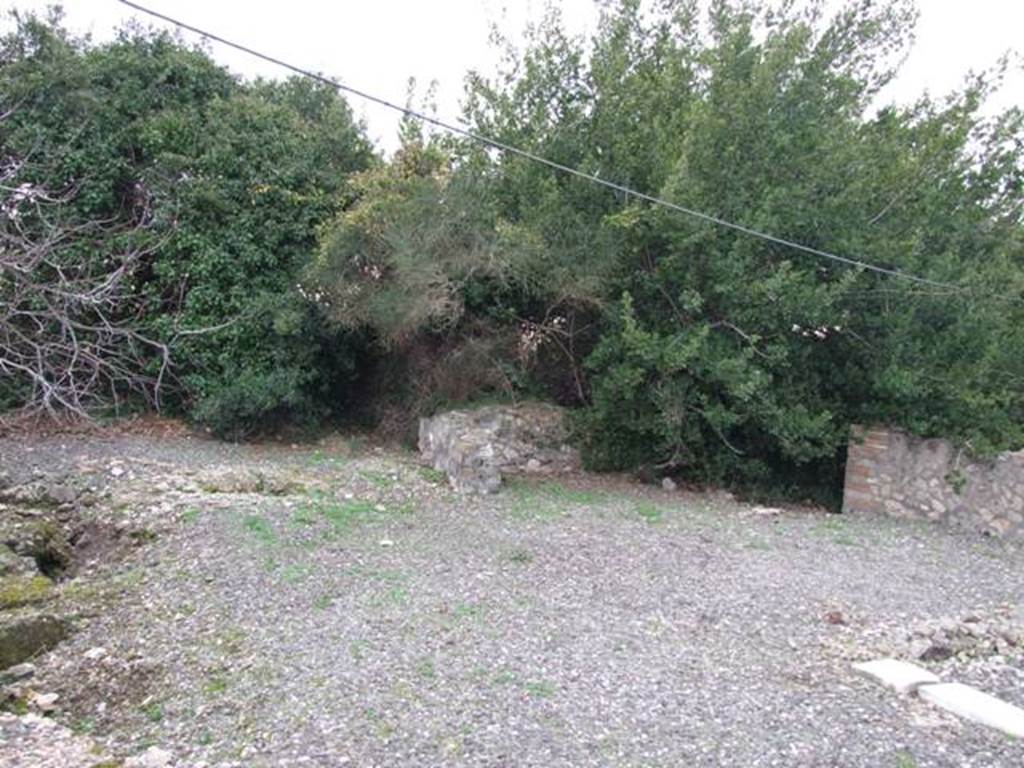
430	374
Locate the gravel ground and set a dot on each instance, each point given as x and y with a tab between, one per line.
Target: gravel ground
335	606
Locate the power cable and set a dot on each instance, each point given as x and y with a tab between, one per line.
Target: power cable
510	149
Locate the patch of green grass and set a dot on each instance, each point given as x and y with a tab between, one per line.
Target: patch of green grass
320	458
404	509
232	640
357	649
342	515
323	602
539	689
191	515
505	677
142	535
305	515
651	513
24	590
905	760
378	478
520	556
573	496
84	727
468	610
381	725
548	500
154	712
16	706
392	596
296	572
837	529
433	476
427	669
260	528
216	684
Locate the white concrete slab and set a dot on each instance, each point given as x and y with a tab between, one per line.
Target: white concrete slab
972	704
900	675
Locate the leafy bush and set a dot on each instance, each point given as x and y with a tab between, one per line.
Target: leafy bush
455	272
222	184
725	357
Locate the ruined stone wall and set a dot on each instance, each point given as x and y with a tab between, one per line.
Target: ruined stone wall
476	447
890	472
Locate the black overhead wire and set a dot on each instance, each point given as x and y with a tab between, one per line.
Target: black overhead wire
513	150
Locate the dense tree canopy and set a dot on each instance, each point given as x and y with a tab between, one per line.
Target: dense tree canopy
222	184
687	347
721	355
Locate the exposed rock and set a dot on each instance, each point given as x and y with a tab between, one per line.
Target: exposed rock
893	473
39	742
252	481
17	673
42	493
668	484
950	639
44	702
475	447
13	564
22	637
59	493
95	654
154	757
835	617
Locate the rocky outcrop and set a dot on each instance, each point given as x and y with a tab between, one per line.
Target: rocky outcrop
32	740
476	447
892	473
24	636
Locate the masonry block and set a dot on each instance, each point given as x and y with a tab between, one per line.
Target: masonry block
890	472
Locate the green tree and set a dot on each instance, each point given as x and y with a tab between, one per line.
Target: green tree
222	185
731	358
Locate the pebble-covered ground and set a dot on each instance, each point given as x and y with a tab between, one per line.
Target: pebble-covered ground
339	606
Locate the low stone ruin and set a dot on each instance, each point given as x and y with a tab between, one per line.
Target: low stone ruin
476	447
892	473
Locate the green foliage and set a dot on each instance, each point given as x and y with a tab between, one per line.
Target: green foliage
401	258
225	183
256	175
455	272
726	358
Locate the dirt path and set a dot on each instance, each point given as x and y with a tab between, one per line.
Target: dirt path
331	606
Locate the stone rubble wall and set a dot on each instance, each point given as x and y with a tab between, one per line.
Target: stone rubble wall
476	447
889	472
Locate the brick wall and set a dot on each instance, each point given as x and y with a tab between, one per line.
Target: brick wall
892	473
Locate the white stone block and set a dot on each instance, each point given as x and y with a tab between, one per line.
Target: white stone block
972	704
900	675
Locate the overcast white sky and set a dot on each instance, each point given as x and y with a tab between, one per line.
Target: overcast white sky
376	45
